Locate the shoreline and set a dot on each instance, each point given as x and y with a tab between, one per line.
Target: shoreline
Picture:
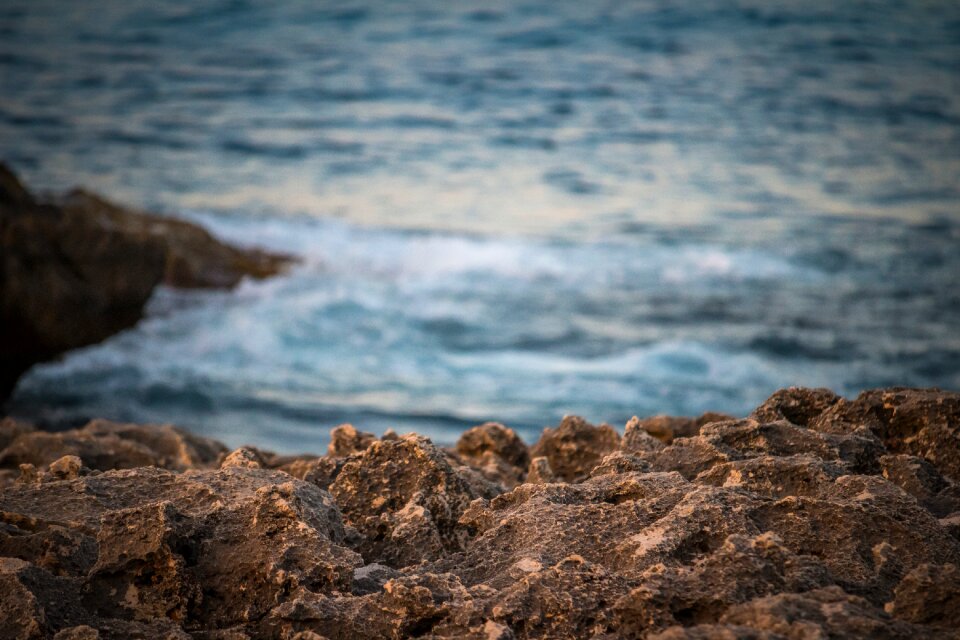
77	269
815	514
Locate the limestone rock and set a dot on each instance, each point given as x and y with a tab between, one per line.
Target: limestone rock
405	498
667	428
540	471
815	518
105	445
346	440
930	594
575	447
496	451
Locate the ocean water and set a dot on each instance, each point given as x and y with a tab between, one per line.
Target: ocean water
505	210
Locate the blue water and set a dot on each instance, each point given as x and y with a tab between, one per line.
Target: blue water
507	211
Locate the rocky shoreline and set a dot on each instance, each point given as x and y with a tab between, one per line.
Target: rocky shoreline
76	269
815	517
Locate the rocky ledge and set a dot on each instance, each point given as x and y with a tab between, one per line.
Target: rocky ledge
815	517
77	269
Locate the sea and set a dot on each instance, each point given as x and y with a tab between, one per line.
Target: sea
507	211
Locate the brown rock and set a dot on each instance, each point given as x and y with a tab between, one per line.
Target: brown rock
540	471
637	438
218	547
405	498
496	451
66	468
244	458
105	445
11	429
799	405
95	264
930	595
192	257
345	440
756	528
575	447
667	428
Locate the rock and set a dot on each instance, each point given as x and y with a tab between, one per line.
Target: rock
920	422
798	405
95	264
79	632
345	440
919	478
667	428
193	258
820	613
930	594
575	447
244	458
66	468
371	578
105	445
217	547
815	518
637	439
721	442
404	497
496	451
172	447
540	471
619	462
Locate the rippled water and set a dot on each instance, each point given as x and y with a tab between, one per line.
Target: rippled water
513	212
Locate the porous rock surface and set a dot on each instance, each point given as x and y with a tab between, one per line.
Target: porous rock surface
77	269
815	517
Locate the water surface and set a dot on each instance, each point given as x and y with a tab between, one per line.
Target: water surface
511	212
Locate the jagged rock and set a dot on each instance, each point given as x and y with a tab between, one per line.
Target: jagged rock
741	570
346	440
667	428
798	405
173	447
371	578
35	603
637	439
80	269
920	422
720	442
243	457
619	462
66	468
921	479
792	524
819	613
79	632
496	451
930	594
193	258
540	471
218	547
105	445
575	447
405	498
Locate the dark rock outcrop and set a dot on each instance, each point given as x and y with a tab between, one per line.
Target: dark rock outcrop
815	518
77	270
